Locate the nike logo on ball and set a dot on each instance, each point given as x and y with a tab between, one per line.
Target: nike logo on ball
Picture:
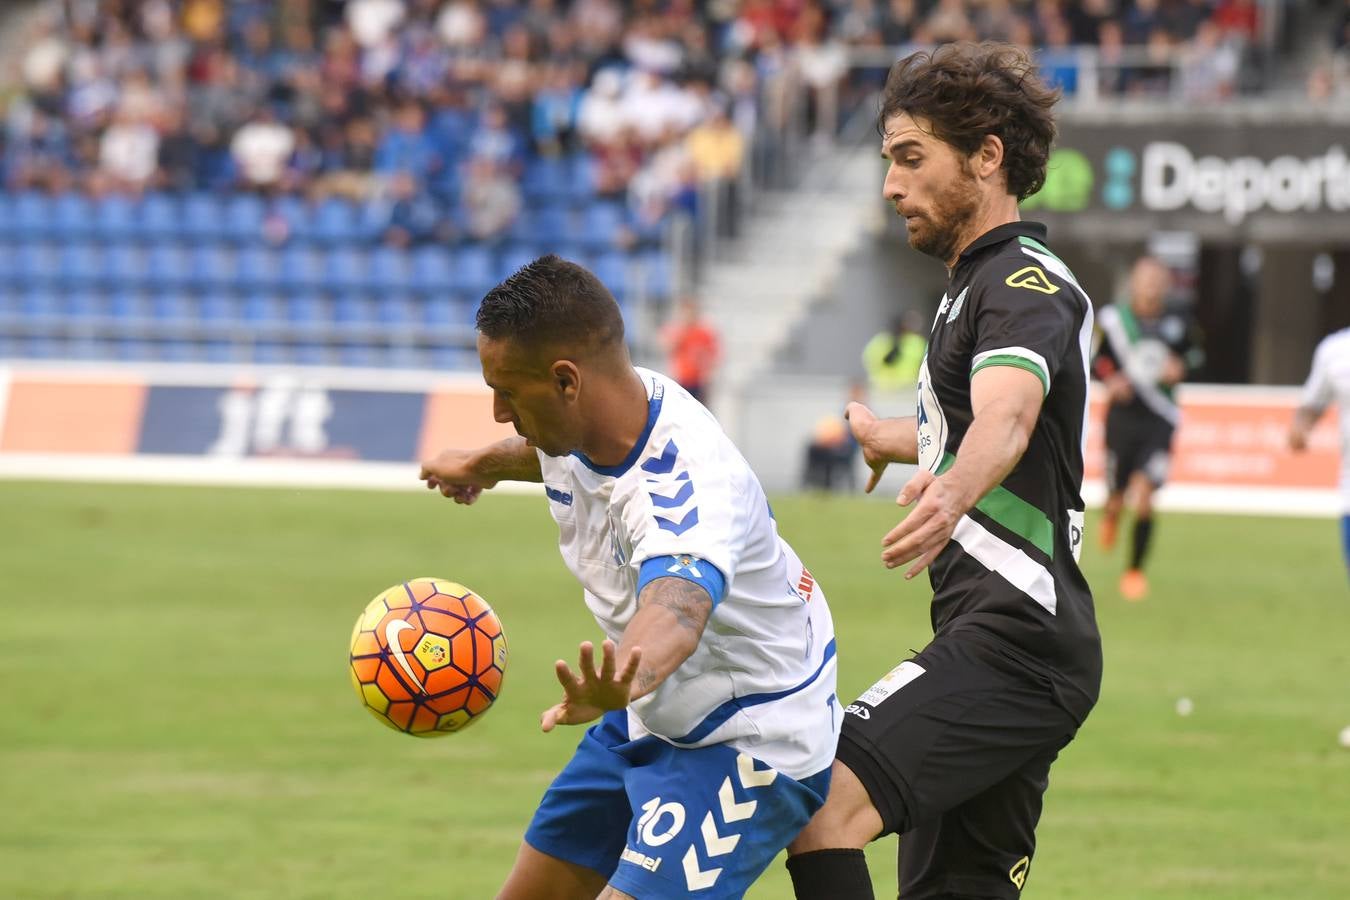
391	631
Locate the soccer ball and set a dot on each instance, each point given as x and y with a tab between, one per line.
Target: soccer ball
428	657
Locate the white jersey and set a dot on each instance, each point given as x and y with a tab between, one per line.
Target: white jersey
1329	383
685	503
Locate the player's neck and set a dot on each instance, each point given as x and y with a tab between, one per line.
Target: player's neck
1000	211
619	417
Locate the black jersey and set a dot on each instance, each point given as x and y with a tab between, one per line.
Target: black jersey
1139	348
1011	569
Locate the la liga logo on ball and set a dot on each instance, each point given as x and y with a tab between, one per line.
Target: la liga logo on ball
428	657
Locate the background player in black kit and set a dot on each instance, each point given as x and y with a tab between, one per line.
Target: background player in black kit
1145	351
952	749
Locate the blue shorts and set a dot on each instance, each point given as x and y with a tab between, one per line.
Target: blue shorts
664	822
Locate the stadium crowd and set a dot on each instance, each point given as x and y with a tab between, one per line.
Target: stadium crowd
438	105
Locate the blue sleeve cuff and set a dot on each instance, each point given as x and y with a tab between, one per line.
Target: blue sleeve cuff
690	568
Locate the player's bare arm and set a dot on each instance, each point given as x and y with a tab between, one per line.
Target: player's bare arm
671	616
464	474
1299	430
1005	401
883	441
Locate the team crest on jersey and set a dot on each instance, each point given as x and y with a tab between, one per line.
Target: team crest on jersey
957	304
1033	278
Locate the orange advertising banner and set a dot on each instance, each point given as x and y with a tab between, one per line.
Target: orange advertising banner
1235	437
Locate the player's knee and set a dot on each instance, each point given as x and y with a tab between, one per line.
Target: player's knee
847	820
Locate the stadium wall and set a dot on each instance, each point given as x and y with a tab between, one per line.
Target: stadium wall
351	428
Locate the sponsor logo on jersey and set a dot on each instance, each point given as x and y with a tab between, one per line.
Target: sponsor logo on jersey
862	712
1018	873
1033	278
650	863
557	496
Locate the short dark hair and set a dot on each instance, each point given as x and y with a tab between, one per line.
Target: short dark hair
552	301
968	90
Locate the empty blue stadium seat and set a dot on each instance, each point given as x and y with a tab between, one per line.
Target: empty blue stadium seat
84	305
359	355
334	221
127	303
218	351
39	303
346	268
612	270
256	267
213	266
168	266
173	306
43	347
349	309
394	309
306	309
301	267
270	353
36	263
390	269
475	271
581	178
218	307
450	357
31	215
261	307
433	270
550	229
72	216
244	219
602	224
81	265
114	219
547	179
158	217
135	350
651	277
309	353
179	351
516	257
201	217
124	265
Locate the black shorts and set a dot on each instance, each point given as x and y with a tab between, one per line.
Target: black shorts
1137	444
954	748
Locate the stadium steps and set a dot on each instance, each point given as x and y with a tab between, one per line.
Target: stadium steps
788	259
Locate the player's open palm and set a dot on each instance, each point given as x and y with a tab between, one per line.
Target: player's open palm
588	694
451	473
863	423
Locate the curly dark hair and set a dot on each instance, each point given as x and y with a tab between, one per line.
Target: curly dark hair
966	91
553	302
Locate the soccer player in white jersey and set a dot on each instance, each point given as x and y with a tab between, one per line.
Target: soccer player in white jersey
1329	382
716	689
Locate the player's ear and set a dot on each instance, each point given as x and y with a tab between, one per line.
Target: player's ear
988	159
566	378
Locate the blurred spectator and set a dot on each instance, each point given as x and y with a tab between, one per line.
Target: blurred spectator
491	199
691	347
892	358
832	453
261	149
414	217
128	153
716	148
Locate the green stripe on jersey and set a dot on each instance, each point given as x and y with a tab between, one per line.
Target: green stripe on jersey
1016	362
1037	245
1013	513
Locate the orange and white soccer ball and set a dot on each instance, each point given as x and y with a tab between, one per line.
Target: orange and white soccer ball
428	657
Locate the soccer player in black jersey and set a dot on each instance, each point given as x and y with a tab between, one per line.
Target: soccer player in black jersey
1144	352
952	748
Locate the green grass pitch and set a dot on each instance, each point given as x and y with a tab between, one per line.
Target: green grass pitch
179	722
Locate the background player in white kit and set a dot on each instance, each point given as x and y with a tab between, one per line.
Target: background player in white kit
1329	382
717	707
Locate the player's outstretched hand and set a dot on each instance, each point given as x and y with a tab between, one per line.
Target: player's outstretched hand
923	533
588	694
451	473
863	423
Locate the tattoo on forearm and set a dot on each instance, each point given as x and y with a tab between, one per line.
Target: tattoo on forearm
689	602
644	679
